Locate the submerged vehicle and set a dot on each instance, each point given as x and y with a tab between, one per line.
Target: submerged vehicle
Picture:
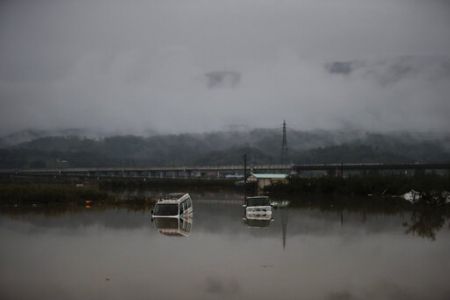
412	196
280	204
258	207
173	214
176	205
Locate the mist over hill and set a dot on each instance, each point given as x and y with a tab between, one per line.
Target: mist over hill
72	148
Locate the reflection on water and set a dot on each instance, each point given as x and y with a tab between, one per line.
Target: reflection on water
174	226
426	222
257	222
308	252
284	221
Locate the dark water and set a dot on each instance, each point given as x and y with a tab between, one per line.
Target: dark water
304	253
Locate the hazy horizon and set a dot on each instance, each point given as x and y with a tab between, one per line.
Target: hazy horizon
148	132
202	66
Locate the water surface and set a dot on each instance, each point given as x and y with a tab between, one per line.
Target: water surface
303	253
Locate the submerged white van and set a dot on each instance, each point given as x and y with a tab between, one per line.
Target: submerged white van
258	208
176	205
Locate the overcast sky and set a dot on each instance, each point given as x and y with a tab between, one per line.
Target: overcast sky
201	65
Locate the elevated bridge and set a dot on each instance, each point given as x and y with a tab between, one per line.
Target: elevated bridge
230	171
334	169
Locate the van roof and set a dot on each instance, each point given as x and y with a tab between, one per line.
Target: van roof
173	198
258	197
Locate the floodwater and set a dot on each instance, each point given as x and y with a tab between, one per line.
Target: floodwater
303	253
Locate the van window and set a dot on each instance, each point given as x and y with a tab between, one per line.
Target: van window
258	201
166	210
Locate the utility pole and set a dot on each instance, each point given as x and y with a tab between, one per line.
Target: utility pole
245	177
284	149
245	168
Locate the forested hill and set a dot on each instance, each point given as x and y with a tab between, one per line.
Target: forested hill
220	148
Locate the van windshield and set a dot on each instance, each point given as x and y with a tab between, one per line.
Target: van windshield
166	210
263	201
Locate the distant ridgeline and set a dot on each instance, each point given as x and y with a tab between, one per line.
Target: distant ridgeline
263	146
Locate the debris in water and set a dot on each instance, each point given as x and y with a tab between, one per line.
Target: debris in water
412	196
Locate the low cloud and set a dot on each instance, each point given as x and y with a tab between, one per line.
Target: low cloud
196	66
341	67
222	79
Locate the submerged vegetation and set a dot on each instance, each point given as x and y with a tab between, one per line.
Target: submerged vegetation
380	185
49	191
28	194
65	193
372	190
